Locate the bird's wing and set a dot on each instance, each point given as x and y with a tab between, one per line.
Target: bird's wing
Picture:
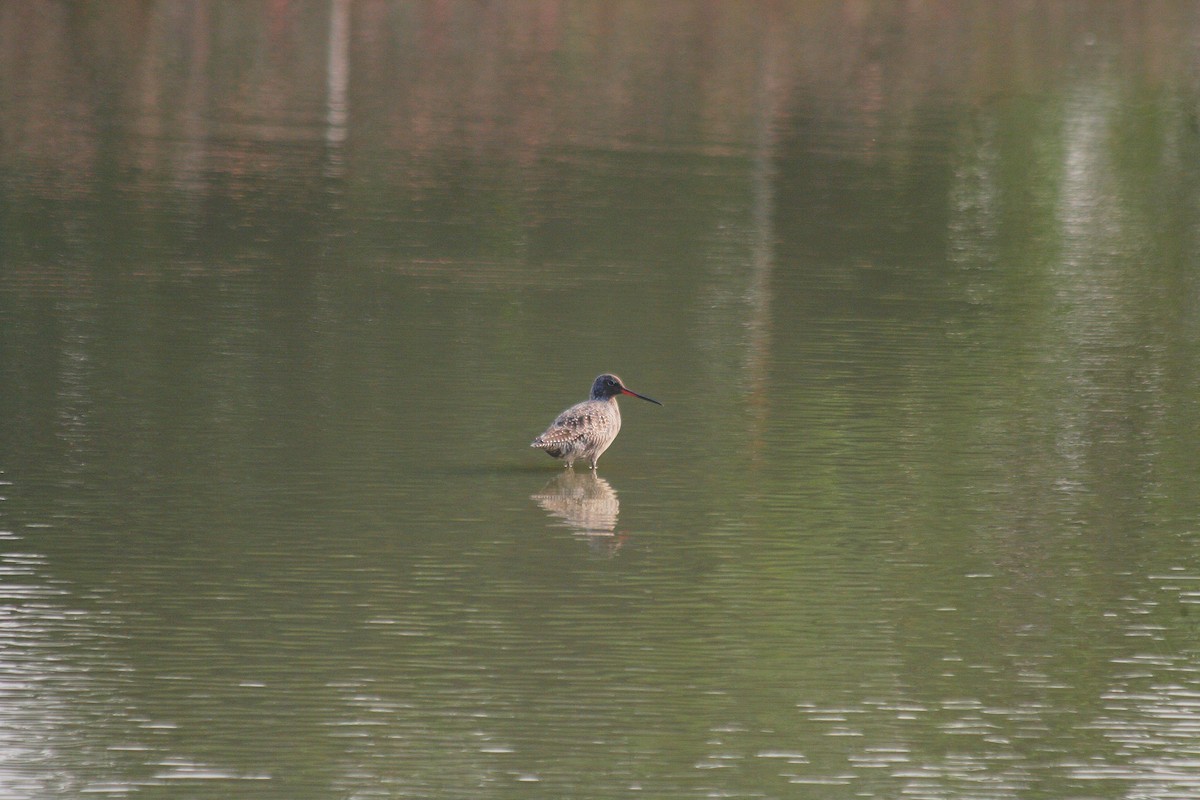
573	425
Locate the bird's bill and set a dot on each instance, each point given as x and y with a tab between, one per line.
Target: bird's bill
635	394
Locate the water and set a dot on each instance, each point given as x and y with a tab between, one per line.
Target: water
286	290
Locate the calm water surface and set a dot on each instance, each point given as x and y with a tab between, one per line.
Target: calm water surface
287	288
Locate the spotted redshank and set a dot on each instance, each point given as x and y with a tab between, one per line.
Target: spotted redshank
587	429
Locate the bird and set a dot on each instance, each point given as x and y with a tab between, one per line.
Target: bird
585	430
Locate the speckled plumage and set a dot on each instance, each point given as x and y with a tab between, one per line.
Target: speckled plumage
585	430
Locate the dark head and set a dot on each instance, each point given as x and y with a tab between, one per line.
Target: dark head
607	386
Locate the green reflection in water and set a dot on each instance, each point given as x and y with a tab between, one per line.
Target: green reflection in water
285	294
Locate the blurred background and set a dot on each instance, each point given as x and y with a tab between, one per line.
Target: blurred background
287	287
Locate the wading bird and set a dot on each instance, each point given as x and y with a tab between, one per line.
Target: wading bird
587	429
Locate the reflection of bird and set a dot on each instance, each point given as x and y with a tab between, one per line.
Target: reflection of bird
587	429
586	503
